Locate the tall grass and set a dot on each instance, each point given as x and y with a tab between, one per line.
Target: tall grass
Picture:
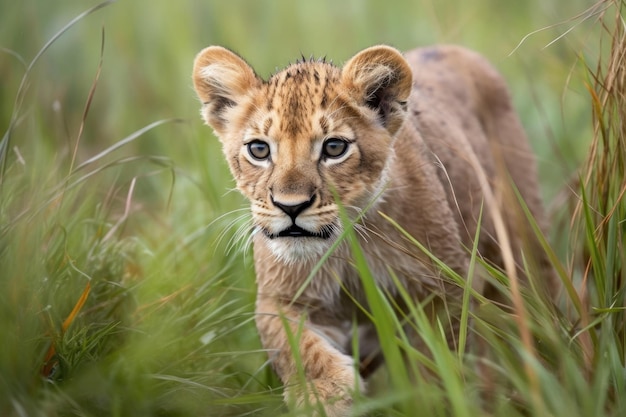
601	211
118	295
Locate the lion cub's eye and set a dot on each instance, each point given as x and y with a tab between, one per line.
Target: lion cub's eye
259	150
334	148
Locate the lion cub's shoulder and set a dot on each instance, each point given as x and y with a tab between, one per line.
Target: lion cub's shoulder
457	79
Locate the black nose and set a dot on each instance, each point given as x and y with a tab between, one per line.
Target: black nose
293	210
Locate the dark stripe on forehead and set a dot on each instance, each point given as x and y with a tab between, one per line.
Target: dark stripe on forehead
298	91
267	125
324	99
271	91
295	112
296	96
324	125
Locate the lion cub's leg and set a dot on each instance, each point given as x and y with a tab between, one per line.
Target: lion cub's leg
329	374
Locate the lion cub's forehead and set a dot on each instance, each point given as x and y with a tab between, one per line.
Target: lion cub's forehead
299	100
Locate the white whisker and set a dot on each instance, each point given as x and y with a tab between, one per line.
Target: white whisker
241	239
230	190
362	231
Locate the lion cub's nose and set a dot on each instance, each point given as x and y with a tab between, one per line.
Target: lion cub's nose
294	209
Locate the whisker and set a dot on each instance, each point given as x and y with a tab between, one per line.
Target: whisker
241	239
230	190
362	231
230	225
240	222
201	230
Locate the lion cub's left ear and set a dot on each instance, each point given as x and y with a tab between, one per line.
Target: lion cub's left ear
380	78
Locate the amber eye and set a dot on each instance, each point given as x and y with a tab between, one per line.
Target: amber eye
334	148
259	150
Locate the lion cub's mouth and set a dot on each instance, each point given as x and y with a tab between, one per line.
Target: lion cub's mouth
297	231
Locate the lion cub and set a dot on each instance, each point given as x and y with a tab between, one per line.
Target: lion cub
428	139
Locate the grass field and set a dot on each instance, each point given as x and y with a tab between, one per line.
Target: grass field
124	288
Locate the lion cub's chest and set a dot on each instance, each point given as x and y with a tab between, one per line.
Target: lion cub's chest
336	293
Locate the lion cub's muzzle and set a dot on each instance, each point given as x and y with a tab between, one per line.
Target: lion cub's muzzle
293	210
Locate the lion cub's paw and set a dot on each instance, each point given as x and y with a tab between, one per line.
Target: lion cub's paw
333	392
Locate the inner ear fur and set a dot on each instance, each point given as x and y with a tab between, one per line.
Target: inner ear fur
380	78
221	78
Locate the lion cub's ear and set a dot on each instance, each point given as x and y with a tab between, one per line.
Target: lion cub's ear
221	78
380	78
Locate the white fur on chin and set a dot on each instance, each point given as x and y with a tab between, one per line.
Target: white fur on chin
291	250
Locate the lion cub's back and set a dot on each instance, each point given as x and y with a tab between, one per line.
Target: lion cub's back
461	105
458	93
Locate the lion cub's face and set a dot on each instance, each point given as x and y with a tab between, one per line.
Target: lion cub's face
310	134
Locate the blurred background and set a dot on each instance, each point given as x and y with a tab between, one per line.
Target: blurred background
148	217
149	49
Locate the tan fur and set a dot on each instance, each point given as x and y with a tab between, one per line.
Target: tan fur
422	130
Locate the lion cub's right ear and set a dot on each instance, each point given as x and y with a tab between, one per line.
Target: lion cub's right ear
221	78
